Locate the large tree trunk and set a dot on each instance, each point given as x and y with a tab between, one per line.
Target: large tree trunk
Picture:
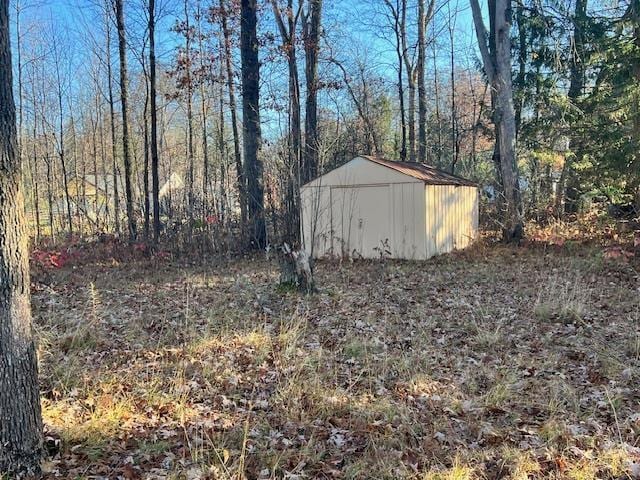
312	48
128	189
155	176
496	59
20	419
252	136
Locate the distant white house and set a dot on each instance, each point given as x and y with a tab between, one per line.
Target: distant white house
371	207
172	185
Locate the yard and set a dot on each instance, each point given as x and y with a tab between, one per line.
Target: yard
492	363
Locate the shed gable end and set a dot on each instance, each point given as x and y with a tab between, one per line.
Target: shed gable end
360	171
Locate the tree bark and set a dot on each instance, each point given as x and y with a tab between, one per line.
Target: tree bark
411	83
112	118
252	136
155	177
495	49
569	184
122	45
395	13
288	35
241	182
311	48
203	113
422	90
145	180
20	417
190	149
61	150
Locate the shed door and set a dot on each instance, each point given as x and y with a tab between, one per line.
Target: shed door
360	220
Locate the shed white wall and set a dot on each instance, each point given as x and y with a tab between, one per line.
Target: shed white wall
451	217
355	208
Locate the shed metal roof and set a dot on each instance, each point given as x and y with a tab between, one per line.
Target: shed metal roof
428	174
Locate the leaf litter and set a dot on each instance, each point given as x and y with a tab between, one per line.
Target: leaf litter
494	363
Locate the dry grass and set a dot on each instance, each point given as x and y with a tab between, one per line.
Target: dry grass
497	363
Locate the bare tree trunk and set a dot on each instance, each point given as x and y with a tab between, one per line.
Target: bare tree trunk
222	145
252	137
496	58
288	34
422	90
312	48
34	164
145	180
103	168
122	45
454	124
21	422
203	113
155	177
190	155
112	117
436	94
395	13
50	178
411	81
34	179
61	151
242	184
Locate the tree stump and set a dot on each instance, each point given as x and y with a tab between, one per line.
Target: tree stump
295	269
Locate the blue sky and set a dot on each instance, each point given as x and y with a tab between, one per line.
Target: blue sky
352	29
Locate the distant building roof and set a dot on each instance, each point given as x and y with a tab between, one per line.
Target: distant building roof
428	174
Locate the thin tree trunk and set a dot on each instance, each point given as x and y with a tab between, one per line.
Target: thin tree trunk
122	45
103	167
411	82
34	166
203	113
288	34
21	422
436	94
190	155
112	117
61	150
222	145
145	180
242	184
155	176
395	13
422	89
454	124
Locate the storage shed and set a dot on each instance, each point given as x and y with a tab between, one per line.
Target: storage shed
371	207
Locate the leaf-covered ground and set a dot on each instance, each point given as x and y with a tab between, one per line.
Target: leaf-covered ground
494	363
